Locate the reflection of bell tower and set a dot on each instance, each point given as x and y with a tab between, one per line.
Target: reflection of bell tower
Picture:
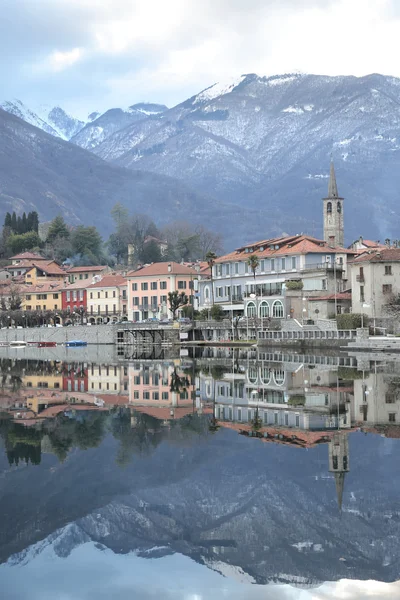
333	214
339	462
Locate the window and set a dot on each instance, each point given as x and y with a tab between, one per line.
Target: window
98	294
145	300
55	307
163	285
136	380
387	288
236	268
136	301
262	265
219	270
146	395
114	308
228	291
144	286
390	398
181	285
272	264
155	396
388	269
392	417
86	275
165	395
153	285
362	296
163	299
91	295
293	263
251	309
277	309
227	269
283	264
134	287
80	295
154	301
264	310
339	207
114	294
106	295
219	292
329	207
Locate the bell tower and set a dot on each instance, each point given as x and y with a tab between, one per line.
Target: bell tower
339	462
333	213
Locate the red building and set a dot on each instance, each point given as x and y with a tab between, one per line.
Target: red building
75	377
74	296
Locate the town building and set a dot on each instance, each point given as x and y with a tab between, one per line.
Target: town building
148	288
107	299
23	262
375	281
161	385
86	273
363	245
44	271
74	297
42	296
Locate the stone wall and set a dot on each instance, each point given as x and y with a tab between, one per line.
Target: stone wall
96	334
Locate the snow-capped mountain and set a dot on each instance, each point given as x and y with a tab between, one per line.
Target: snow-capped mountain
64	124
103	126
267	142
18	108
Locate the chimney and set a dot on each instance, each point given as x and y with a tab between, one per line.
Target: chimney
169	267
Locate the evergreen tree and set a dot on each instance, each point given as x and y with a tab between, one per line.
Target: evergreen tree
29	222
19	225
57	229
7	220
14	222
35	221
24	223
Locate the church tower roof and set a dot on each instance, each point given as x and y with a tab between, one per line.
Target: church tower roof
332	186
339	482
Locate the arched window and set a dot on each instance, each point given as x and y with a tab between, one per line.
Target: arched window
251	309
252	375
207	293
339	207
264	309
329	207
277	309
265	375
279	376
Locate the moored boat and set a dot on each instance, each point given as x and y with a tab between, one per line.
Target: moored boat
76	343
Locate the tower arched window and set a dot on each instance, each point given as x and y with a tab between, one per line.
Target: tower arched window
329	207
339	207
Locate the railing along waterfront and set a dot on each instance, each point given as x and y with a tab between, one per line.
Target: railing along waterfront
309	334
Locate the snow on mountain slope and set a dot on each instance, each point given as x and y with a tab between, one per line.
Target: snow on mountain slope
18	108
113	120
262	140
65	125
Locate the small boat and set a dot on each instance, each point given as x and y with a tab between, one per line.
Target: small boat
46	344
18	344
76	343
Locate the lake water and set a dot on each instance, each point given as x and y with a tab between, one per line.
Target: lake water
228	474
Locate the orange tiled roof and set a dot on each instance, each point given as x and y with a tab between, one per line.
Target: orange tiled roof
164	412
338	296
50	267
297	244
81	284
28	256
161	268
378	255
109	281
114	399
88	269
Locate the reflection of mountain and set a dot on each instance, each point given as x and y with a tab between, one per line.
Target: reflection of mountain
225	501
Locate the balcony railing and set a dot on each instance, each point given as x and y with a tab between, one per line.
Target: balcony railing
326	266
360	278
263	293
237	298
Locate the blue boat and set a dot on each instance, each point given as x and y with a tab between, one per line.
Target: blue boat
76	343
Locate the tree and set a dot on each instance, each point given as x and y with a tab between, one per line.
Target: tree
24	223
392	307
25	241
211	258
208	241
217	312
7	220
35	221
151	252
176	300
14	298
86	241
253	261
57	229
120	214
14	222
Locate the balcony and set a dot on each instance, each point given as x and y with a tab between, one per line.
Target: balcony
263	293
360	278
151	307
237	298
326	266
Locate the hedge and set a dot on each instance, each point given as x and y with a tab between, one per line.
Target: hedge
351	321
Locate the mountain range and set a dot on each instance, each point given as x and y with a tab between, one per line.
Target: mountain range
263	511
260	145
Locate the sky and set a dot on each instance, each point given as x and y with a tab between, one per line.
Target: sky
87	55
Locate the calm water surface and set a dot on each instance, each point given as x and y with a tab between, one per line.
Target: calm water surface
231	474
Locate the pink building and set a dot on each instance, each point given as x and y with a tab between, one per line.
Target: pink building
148	288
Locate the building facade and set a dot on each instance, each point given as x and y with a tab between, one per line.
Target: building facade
107	299
74	297
148	289
375	281
86	274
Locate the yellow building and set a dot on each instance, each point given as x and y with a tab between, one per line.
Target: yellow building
43	296
43	381
44	272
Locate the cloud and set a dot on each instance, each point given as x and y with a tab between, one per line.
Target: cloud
103	53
